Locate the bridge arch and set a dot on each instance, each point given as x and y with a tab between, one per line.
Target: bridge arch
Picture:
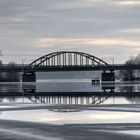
67	58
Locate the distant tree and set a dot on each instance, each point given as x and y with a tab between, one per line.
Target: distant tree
1	75
130	61
128	74
12	76
9	76
0	63
133	60
137	59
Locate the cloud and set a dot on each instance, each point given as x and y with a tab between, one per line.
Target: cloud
53	42
128	2
130	31
94	26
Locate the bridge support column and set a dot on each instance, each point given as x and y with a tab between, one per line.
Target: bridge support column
29	77
108	76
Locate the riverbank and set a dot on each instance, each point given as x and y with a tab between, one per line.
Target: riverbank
15	130
69	122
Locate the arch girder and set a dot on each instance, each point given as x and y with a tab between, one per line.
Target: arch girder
70	57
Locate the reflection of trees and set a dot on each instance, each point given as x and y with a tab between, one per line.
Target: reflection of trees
10	87
129	88
133	99
1	99
11	99
126	89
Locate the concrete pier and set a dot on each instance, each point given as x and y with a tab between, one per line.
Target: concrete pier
108	76
29	77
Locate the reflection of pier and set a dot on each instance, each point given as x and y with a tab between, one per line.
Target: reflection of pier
108	87
29	88
75	100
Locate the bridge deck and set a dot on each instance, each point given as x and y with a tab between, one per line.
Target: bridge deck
20	68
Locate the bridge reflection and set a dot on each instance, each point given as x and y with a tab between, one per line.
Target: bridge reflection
75	95
73	100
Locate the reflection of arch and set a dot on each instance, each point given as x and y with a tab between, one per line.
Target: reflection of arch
71	100
65	58
100	99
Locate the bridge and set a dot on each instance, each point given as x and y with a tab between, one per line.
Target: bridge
22	68
64	60
68	61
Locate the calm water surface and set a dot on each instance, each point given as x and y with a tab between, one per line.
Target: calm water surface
68	87
64	116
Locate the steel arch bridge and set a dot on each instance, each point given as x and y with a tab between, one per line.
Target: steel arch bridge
67	59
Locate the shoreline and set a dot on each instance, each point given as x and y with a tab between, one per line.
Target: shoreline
39	131
21	129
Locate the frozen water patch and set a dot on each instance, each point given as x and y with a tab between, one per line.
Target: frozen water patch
127	109
26	134
8	107
63	117
131	132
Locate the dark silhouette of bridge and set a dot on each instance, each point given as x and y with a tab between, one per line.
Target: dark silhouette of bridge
64	60
68	61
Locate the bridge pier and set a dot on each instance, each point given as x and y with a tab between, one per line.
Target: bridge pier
29	77
108	75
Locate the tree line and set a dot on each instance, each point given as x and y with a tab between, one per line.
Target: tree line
9	76
130	75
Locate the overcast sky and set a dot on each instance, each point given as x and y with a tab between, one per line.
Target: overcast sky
104	28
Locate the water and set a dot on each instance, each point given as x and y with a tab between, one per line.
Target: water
70	86
84	100
70	101
70	92
78	117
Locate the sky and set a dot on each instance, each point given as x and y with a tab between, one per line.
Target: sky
108	29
